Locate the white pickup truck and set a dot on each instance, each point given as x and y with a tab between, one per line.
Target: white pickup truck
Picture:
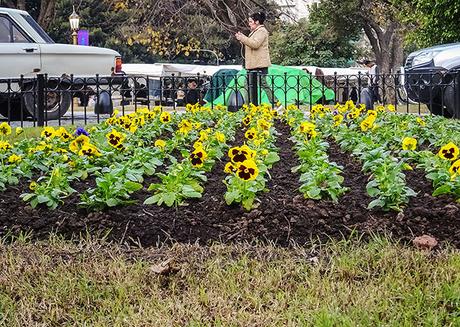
26	50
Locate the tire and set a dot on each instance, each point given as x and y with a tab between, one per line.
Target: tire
16	111
235	101
437	108
58	102
449	99
104	104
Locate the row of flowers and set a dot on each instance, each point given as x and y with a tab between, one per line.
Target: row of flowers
249	164
402	142
320	178
107	152
184	178
118	153
428	143
127	176
355	129
114	186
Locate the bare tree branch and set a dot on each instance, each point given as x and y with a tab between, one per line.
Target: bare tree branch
372	39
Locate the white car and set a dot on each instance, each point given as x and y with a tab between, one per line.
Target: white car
26	50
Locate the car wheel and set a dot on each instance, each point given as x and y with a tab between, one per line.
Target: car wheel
16	112
449	98
438	108
57	103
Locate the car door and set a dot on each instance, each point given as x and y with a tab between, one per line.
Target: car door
18	54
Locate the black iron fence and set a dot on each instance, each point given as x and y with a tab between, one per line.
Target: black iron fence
69	100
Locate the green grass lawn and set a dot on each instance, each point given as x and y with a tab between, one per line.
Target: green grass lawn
33	132
28	132
349	283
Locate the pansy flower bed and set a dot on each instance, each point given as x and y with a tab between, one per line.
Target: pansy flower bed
257	174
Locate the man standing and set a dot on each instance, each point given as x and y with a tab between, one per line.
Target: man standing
370	94
257	56
192	95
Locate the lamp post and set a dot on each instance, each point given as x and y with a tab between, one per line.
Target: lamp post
74	21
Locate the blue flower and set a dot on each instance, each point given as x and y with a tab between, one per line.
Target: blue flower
81	131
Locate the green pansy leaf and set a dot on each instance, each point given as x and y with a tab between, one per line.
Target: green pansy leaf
111	202
376	203
444	189
169	198
42	199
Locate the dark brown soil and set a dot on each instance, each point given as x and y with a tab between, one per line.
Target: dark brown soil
283	215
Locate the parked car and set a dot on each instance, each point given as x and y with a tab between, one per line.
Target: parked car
27	50
432	76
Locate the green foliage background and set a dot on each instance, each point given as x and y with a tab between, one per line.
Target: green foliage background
313	42
434	22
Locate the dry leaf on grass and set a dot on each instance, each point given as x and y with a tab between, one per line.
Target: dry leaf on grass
164	268
425	242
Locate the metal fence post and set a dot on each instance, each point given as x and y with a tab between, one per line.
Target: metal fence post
383	99
148	92
224	89
359	86
236	84
161	90
285	89
40	100
9	101
457	94
396	90
172	90
323	91
346	91
310	91
22	102
336	98
98	93
298	91
253	87
72	106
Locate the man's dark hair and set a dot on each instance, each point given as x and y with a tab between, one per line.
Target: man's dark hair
258	16
191	80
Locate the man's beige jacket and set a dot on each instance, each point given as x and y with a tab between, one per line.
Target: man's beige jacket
256	51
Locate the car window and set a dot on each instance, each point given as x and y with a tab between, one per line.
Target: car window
5	36
38	28
18	36
10	33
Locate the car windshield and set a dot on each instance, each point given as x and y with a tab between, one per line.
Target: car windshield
38	28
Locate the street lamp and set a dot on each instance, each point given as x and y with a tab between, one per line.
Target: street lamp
74	21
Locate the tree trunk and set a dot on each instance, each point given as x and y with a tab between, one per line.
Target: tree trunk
46	13
398	52
46	10
386	45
